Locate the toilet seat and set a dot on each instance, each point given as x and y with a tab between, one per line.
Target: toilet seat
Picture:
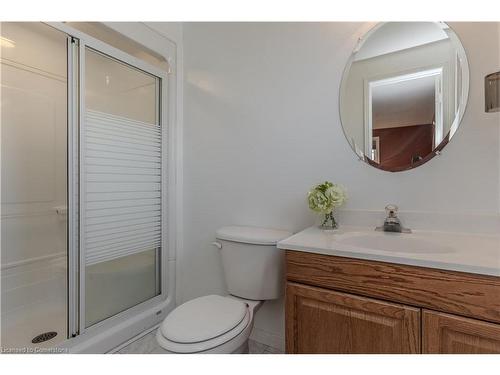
203	323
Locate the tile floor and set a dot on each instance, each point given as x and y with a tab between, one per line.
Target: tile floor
255	347
148	345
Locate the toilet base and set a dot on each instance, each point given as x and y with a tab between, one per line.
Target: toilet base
243	349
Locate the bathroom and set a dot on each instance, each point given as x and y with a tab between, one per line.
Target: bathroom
219	131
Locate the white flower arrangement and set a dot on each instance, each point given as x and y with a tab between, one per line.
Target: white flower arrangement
324	198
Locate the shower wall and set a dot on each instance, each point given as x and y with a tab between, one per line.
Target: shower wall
33	155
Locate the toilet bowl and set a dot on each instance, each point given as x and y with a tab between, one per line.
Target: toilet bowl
253	269
224	324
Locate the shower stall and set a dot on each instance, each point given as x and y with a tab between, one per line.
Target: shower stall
84	164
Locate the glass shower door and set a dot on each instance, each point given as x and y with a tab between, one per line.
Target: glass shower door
121	183
34	186
83	179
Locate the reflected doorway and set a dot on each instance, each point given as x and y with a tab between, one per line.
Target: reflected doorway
404	118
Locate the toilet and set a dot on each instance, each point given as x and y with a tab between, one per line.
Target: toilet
253	269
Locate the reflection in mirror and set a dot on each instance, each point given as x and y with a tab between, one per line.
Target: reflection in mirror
403	93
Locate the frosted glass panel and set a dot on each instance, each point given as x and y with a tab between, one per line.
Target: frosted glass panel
34	177
118	284
118	89
121	178
117	226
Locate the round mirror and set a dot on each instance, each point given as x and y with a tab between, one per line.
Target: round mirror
404	93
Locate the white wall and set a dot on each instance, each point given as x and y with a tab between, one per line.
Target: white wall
261	125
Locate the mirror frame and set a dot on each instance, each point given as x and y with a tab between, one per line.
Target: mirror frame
464	63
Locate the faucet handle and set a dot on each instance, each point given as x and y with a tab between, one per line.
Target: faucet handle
391	210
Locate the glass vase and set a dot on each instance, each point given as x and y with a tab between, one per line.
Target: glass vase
329	222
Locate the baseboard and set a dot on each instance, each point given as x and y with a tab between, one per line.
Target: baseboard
271	339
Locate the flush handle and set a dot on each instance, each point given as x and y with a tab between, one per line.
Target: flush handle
218	245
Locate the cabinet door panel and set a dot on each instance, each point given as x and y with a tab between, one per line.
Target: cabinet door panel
450	334
324	321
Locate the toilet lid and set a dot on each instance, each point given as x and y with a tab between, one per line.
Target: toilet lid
203	318
252	235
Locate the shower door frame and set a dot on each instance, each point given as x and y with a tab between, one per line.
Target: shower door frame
78	42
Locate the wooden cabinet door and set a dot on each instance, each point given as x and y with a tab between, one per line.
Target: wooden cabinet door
323	321
451	334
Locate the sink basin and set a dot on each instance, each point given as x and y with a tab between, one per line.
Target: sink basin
392	242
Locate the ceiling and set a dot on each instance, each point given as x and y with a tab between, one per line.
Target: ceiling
396	36
404	103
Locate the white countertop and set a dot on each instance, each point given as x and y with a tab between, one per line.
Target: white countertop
474	253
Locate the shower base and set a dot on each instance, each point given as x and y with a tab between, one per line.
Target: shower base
23	325
33	302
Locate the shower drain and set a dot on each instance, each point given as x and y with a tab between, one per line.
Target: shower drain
44	337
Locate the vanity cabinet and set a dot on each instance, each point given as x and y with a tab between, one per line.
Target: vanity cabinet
346	305
325	321
451	334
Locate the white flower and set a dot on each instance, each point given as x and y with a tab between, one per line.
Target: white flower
336	195
323	198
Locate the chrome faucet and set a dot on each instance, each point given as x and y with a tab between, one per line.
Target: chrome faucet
392	222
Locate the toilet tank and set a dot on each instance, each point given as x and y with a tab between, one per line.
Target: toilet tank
253	265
